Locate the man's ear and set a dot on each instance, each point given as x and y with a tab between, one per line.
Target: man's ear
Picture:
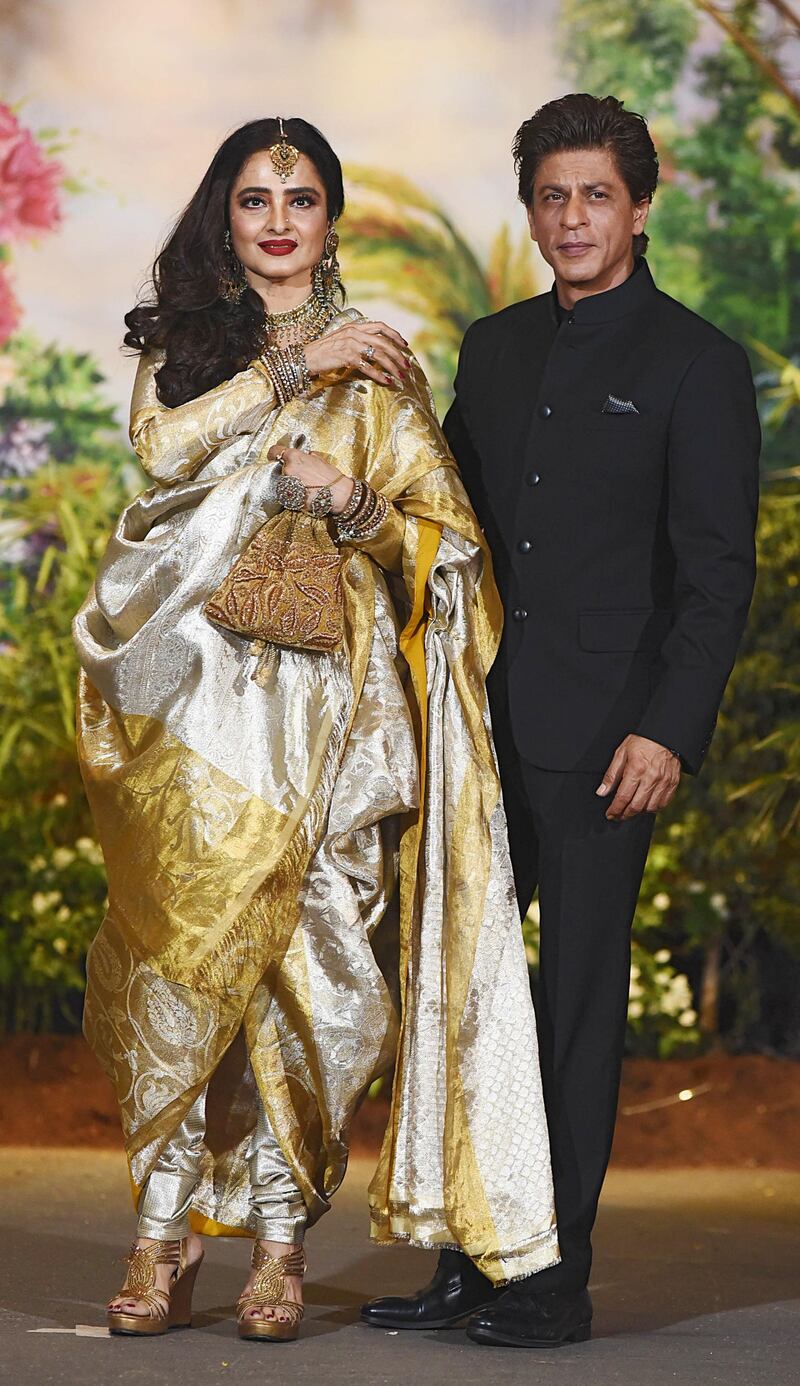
532	222
641	211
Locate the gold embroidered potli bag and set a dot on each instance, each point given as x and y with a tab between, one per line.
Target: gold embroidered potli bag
286	589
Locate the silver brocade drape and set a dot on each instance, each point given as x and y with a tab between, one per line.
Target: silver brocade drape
271	877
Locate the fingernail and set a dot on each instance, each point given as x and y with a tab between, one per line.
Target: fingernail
603	789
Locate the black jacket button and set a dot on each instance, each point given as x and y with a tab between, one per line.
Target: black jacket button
519	614
545	411
524	546
533	479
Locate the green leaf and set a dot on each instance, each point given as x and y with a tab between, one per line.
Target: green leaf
46	567
71	528
7	742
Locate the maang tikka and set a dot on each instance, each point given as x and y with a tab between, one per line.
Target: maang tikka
283	155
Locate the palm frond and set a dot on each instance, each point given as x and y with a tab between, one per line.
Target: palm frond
401	246
782	382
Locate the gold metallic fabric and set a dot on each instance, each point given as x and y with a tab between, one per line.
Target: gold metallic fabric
309	873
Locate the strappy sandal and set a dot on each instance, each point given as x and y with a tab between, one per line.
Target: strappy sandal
166	1309
268	1291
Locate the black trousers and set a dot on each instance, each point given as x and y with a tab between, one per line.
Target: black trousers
588	872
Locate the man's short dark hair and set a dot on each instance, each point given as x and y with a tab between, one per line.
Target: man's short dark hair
580	121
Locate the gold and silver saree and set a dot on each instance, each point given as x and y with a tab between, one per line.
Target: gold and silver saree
309	874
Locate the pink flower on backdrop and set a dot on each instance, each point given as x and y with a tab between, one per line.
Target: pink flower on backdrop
29	182
9	309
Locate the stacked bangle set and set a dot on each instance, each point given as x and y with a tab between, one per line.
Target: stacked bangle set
363	515
361	518
366	509
288	371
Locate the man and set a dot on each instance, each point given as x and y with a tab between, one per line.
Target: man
609	441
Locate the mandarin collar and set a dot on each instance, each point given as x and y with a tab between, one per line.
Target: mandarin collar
626	298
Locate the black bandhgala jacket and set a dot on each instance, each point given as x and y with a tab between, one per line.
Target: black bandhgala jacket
612	460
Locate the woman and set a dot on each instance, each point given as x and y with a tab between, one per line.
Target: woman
294	862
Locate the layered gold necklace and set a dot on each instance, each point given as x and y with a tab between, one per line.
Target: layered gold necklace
301	324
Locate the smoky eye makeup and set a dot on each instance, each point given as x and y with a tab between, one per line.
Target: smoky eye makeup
309	195
261	196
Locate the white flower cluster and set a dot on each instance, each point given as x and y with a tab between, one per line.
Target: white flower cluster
88	848
667	993
42	901
63	857
51	902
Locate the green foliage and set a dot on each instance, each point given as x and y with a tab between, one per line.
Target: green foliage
731	869
636	52
54	892
55	523
68	508
750	793
780	391
63	389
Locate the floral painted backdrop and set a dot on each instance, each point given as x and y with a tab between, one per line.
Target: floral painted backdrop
717	933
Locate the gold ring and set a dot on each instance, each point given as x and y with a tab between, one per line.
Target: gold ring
368	354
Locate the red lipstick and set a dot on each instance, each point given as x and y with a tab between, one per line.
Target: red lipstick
277	247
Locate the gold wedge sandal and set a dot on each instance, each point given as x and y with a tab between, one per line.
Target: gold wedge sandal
167	1309
268	1291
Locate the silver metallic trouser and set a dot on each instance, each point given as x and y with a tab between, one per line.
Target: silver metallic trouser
166	1198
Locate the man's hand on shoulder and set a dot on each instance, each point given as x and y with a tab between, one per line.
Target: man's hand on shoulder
645	775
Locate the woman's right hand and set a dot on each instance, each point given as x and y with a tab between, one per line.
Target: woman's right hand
344	349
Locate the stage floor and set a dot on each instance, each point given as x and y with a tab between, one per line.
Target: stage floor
695	1280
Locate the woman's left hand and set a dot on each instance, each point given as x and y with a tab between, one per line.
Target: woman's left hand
312	469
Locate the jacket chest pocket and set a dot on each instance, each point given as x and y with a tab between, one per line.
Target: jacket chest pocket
638	439
629	452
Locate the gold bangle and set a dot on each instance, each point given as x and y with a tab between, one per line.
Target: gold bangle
353	504
365	525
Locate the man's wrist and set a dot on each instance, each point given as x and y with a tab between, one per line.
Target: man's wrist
655	741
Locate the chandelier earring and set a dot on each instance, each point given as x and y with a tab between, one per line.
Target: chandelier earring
327	274
232	280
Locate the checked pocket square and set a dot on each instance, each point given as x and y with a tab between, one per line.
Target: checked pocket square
615	405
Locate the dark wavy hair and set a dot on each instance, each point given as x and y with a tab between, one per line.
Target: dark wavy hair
580	121
207	339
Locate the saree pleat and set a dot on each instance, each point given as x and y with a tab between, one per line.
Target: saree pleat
310	873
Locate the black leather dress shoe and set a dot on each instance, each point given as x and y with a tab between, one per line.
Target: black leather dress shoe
526	1319
457	1290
